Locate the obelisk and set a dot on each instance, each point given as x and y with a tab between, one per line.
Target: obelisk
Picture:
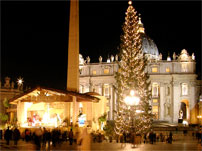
73	59
73	48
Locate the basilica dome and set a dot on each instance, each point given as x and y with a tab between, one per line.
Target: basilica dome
148	46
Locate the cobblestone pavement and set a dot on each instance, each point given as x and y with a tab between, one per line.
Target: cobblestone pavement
187	144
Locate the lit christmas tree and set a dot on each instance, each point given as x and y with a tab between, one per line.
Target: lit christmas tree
132	117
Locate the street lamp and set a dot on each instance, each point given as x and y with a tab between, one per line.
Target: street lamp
20	83
132	101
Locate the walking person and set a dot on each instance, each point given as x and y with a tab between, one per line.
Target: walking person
44	137
49	138
1	133
84	141
201	138
145	138
27	135
8	135
125	137
123	140
71	137
170	138
16	136
37	138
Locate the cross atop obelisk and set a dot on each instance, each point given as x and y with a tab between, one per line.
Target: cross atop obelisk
73	48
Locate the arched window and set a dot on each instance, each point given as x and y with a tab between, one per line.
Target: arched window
155	90
184	89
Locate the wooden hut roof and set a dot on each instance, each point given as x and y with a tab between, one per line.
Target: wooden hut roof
42	94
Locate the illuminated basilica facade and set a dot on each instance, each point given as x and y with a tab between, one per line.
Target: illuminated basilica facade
173	82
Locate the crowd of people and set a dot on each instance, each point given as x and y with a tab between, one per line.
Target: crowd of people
43	137
151	138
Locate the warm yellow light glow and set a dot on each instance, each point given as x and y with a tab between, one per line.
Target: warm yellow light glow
139	111
132	99
154	109
80	105
185	122
47	94
106	71
130	2
155	100
167	69
20	81
199	116
94	72
154	69
43	114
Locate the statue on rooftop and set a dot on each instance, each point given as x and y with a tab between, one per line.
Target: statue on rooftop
174	56
88	59
100	59
112	58
116	58
193	56
160	56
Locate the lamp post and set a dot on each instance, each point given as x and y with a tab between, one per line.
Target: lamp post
132	101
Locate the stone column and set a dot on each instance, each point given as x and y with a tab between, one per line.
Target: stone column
111	102
102	90
19	112
67	111
200	112
114	102
193	104
74	110
90	85
89	113
171	100
162	101
11	116
176	105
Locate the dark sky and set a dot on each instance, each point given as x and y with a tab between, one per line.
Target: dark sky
34	35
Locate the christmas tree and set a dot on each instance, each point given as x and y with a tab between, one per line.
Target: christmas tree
132	78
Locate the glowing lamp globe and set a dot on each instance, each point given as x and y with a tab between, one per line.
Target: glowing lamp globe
20	81
132	99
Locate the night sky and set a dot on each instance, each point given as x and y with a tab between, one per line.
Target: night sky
34	35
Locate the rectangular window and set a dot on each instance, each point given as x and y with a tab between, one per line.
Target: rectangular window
155	111
167	70
155	100
154	69
106	71
94	72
